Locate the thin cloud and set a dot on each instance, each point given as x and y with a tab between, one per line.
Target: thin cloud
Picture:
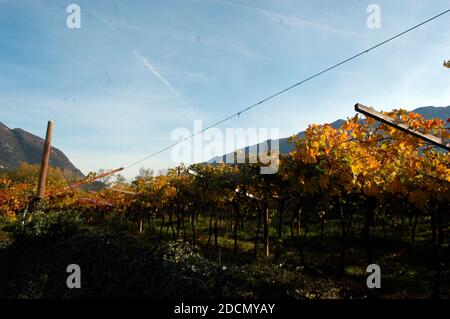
152	69
217	44
287	20
138	56
142	59
109	25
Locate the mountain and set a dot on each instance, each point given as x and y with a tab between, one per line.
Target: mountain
18	146
427	112
431	112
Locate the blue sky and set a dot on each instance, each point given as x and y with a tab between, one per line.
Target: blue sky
136	70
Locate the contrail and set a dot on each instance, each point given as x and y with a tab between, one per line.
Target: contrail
287	20
110	25
155	72
152	69
145	62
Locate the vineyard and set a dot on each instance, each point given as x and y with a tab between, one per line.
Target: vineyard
344	198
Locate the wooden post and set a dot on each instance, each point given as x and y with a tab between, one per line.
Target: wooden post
86	181
367	111
44	163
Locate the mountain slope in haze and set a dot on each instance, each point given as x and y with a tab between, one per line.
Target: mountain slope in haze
428	112
18	146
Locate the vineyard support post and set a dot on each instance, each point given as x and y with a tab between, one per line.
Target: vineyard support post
367	111
427	138
44	163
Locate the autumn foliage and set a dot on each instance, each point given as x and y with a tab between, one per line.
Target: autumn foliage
363	172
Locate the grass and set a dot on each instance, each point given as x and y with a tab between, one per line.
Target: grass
407	272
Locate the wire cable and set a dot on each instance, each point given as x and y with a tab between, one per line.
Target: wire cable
289	88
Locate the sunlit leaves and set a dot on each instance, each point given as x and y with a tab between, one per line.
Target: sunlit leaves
362	157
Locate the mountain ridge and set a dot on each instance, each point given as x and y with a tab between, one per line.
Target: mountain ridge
428	112
18	146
